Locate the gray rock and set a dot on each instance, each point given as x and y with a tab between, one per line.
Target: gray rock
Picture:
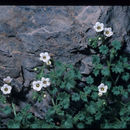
39	108
86	66
16	85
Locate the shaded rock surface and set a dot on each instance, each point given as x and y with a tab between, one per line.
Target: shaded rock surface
26	31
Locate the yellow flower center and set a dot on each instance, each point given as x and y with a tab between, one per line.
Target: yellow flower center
107	32
102	89
98	27
37	85
6	89
44	57
44	82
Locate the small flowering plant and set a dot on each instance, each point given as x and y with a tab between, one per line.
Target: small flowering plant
97	100
42	82
101	101
5	89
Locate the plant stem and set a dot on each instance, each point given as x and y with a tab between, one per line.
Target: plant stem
14	109
117	119
53	102
117	79
122	104
109	64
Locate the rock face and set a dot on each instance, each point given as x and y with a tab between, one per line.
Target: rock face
26	31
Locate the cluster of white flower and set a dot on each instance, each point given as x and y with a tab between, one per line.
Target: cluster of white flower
102	89
44	82
99	27
38	85
45	57
6	88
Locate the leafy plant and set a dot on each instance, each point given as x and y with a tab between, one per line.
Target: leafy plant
101	102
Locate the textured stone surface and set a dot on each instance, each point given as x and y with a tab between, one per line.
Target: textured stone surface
26	31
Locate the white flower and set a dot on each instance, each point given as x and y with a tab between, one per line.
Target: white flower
108	32
7	80
45	57
98	27
6	89
37	85
100	94
48	63
102	88
45	82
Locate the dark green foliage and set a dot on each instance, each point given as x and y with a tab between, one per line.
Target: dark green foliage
116	44
103	49
89	80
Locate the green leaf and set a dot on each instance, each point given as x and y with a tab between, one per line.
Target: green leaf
69	86
95	59
75	97
54	91
92	108
89	80
35	125
103	49
83	96
19	117
95	72
78	74
108	83
93	42
88	120
25	109
117	90
124	93
2	98
62	95
100	103
97	68
64	99
116	44
118	67
123	111
105	71
80	116
13	124
60	112
50	111
7	110
94	95
29	115
65	103
98	116
87	90
113	53
126	76
35	95
80	125
68	123
62	85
